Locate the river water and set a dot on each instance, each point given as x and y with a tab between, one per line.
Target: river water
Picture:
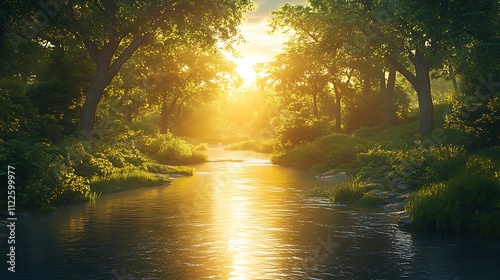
237	220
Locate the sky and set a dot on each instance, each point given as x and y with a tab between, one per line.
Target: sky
261	46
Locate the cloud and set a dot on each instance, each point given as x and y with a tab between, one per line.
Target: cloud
261	45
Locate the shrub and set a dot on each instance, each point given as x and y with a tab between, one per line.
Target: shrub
166	169
377	161
262	146
332	150
167	149
127	178
296	125
305	155
468	201
348	192
419	166
371	199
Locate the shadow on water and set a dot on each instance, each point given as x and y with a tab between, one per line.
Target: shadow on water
237	219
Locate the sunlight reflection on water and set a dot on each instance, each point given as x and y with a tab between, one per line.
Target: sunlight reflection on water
237	220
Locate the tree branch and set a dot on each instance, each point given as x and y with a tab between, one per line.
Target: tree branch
402	69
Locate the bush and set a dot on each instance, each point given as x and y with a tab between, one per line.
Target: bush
468	201
167	149
377	161
166	169
348	192
304	156
296	126
261	146
127	178
371	199
332	150
419	166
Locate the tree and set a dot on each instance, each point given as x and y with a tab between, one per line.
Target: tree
415	38
111	31
180	75
325	31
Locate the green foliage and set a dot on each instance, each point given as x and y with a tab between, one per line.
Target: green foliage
167	169
125	179
467	202
378	161
295	126
371	199
348	192
43	175
262	146
422	166
417	167
332	150
304	156
168	149
479	119
363	111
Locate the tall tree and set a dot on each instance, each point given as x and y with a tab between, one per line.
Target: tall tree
112	30
415	37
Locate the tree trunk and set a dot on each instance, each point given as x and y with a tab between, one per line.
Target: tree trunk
166	112
388	92
453	78
89	109
106	70
421	83
315	104
423	88
338	113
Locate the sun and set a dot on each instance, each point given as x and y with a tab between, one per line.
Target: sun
245	68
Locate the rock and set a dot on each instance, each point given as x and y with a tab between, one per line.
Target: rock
403	186
403	196
339	177
373	186
394	207
380	193
402	216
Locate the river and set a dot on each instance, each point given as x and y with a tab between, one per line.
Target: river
237	220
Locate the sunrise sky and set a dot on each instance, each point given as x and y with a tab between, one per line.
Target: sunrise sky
261	45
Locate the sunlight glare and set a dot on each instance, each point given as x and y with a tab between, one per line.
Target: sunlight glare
245	69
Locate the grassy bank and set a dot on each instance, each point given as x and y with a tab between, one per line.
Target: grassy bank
455	185
79	169
261	146
126	179
353	191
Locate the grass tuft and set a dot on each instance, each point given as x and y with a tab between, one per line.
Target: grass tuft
126	179
348	192
371	199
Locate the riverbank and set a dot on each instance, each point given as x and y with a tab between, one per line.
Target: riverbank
442	183
354	190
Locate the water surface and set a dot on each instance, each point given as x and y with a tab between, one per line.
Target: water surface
237	220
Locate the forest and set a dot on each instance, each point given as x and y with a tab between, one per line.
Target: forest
103	96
